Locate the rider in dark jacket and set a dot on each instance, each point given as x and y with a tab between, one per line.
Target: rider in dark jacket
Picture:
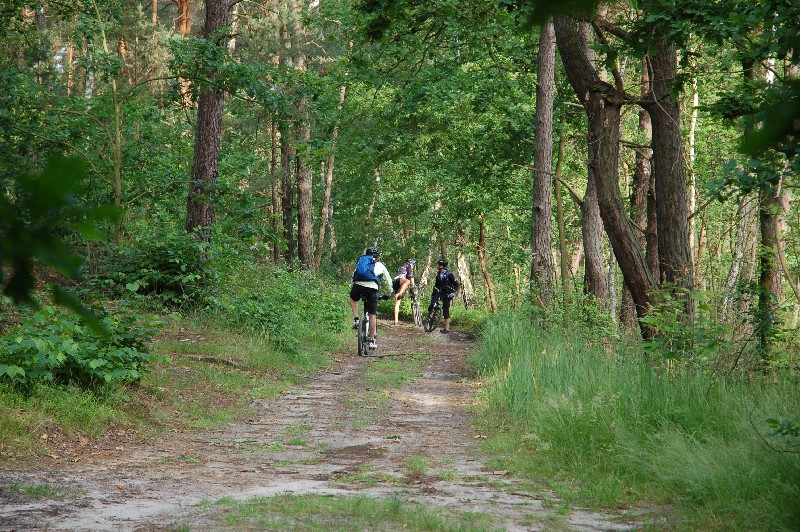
444	289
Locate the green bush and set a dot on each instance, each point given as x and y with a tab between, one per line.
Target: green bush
54	346
167	266
286	306
702	338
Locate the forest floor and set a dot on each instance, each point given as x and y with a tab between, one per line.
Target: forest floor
357	429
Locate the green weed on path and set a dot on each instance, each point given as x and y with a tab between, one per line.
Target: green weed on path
318	513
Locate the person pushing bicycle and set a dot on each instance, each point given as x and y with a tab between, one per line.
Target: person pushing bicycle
444	289
403	278
367	278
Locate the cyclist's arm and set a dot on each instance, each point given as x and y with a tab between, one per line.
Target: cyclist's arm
384	274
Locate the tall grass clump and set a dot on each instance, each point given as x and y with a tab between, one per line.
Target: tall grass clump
572	406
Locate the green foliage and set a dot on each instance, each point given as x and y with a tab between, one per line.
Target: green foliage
53	346
702	337
36	213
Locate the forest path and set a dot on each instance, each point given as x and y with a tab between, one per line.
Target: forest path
346	432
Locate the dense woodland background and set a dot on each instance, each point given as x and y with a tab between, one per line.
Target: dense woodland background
627	166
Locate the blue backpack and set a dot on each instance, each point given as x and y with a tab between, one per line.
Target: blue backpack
365	269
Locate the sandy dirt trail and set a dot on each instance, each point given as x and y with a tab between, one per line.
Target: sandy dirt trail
319	438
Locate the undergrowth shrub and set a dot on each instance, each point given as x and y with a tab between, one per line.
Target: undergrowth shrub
54	346
567	407
703	338
289	307
166	266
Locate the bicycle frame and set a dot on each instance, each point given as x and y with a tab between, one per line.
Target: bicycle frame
363	332
415	310
432	320
364	349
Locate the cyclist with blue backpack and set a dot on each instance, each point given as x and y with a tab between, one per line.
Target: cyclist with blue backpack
444	289
367	278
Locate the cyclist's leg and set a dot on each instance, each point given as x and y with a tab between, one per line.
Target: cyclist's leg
434	299
371	306
446	312
404	283
397	286
354	297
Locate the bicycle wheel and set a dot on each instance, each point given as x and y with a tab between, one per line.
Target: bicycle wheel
363	335
415	310
430	322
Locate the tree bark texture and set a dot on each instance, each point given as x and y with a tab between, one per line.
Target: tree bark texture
287	189
482	261
208	134
602	103
674	252
562	237
326	200
275	204
594	268
639	195
305	219
541	218
464	271
769	272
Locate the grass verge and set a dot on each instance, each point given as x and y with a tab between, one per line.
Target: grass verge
562	406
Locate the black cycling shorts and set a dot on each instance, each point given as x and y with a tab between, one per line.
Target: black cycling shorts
369	295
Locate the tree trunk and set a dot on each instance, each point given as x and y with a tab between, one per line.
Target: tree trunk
464	271
208	133
482	262
694	240
305	219
675	261
184	23
641	188
769	273
602	103
594	269
562	236
541	279
326	200
745	228
287	200
275	204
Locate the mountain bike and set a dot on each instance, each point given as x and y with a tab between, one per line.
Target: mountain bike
364	350
432	319
415	310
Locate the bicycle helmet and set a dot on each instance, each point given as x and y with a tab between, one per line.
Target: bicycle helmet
413	262
372	250
442	262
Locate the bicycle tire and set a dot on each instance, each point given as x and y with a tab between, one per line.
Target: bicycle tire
362	335
430	323
415	310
